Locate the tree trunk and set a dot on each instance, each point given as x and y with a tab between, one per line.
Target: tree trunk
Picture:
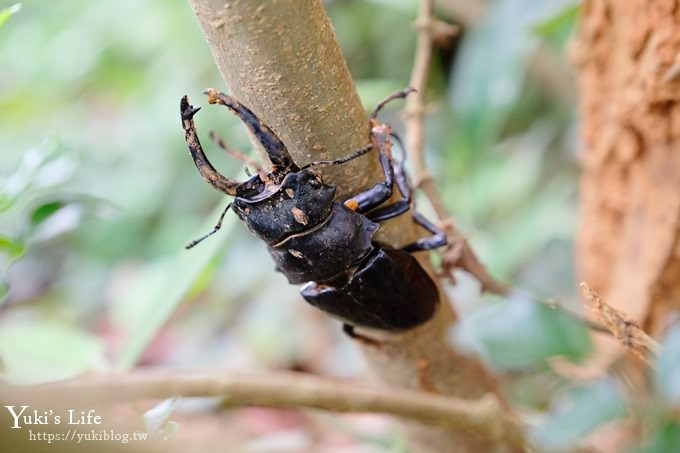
628	247
281	59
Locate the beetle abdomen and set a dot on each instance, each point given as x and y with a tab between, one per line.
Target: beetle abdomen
328	250
389	291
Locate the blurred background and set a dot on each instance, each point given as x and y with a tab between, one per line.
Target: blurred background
98	197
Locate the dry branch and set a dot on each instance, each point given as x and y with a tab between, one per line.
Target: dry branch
458	253
624	329
278	390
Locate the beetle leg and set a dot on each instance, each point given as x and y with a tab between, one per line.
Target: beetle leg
377	194
438	238
214	230
400	172
351	332
273	146
395	209
380	137
402	205
205	168
396	95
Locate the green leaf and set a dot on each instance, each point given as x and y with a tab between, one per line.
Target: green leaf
42	212
544	216
583	410
58	213
6	202
521	333
43	351
15	249
489	72
665	437
668	367
147	305
39	174
6	13
4	290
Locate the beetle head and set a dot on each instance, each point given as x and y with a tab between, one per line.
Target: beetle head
275	211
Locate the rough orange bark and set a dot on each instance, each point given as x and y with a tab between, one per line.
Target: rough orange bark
628	245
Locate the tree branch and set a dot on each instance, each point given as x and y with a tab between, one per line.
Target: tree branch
278	390
282	60
624	329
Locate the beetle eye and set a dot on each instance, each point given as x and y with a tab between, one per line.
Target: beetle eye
315	182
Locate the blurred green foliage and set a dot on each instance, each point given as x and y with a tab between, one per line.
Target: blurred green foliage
668	367
557	29
104	106
38	351
579	412
665	437
94	154
98	195
8	11
519	333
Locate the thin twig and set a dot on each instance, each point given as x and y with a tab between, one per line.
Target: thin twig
458	253
624	329
280	390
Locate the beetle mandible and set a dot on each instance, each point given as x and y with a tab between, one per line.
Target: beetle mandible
326	244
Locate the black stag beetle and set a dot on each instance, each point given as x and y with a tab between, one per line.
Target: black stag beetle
324	243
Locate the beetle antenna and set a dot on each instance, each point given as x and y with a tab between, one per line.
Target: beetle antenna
396	95
342	160
215	229
205	168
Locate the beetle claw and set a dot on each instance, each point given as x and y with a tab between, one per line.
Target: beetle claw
188	110
213	177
